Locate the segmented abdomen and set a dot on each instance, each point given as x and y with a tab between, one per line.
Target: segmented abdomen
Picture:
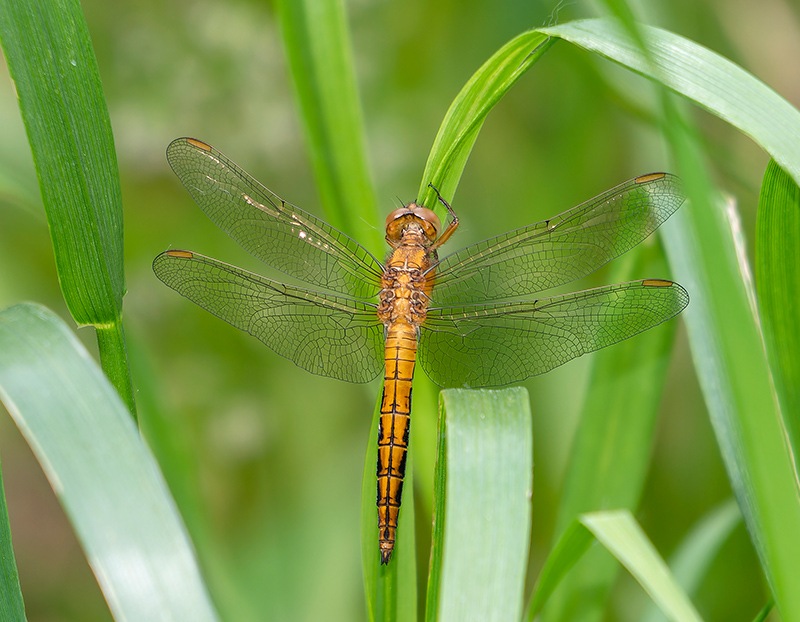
395	420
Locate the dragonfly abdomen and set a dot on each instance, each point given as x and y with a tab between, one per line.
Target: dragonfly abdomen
395	420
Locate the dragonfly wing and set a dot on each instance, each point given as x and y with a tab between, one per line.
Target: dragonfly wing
492	345
324	334
280	234
559	250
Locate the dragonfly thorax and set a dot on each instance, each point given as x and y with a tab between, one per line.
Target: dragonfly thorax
406	283
412	221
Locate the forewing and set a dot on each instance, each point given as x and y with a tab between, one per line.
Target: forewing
559	250
492	345
280	234
326	335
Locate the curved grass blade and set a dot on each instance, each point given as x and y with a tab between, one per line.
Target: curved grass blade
701	75
481	550
691	561
706	253
11	604
101	470
466	114
777	284
50	57
621	535
762	615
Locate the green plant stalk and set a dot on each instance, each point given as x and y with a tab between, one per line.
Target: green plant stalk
50	58
570	546
315	40
762	615
114	361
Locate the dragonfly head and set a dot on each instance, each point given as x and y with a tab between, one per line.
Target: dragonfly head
412	214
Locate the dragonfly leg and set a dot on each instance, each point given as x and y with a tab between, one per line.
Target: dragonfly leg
451	227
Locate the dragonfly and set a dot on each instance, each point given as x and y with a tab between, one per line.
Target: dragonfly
472	319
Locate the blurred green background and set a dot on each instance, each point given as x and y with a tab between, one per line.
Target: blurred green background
265	459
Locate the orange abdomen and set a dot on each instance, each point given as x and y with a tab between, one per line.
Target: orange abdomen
395	419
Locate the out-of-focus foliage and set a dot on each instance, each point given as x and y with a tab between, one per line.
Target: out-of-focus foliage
265	460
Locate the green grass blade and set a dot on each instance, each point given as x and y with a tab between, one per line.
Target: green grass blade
619	533
699	74
101	470
610	455
762	615
487	514
777	283
691	561
706	254
466	114
50	57
708	257
12	607
317	46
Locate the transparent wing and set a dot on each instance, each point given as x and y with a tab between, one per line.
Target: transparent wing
559	250
492	345
326	335
280	234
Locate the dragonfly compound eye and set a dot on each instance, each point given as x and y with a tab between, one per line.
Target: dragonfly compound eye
397	220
